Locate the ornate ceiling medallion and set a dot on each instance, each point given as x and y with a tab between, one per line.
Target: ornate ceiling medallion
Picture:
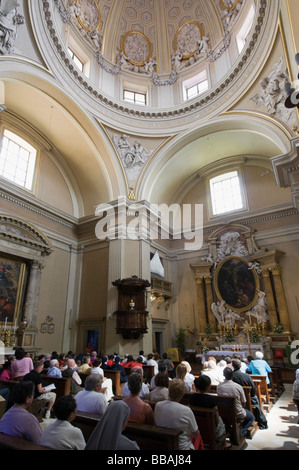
229	5
187	38
88	15
136	47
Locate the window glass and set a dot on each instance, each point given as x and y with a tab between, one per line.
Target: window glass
226	193
17	160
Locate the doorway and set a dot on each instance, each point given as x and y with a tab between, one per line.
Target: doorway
158	346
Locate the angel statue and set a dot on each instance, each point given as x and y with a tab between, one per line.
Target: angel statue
224	315
259	310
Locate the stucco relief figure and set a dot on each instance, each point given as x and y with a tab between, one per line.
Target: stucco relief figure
272	93
230	11
259	310
9	20
231	245
224	315
132	156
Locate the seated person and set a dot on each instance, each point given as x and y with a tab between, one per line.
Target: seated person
244	379
21	365
144	392
17	421
118	366
54	370
85	367
140	412
213	372
160	392
72	373
131	363
91	400
40	393
172	414
232	389
295	392
189	376
162	367
152	362
5	371
107	386
107	434
169	364
62	435
259	366
181	373
204	399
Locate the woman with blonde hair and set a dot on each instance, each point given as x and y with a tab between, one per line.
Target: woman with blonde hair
181	373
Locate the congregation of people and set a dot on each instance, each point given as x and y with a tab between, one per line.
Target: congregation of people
166	388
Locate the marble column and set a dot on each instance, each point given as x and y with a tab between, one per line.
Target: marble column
32	297
201	304
270	297
281	300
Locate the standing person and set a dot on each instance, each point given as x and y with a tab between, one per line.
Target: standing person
22	364
17	421
107	435
232	389
40	393
172	414
259	366
62	435
152	362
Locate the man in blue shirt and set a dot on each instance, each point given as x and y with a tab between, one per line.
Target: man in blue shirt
259	366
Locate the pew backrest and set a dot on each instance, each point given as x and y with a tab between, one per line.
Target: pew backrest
62	384
148	437
17	443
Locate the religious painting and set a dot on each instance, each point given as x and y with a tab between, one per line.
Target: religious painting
12	276
236	283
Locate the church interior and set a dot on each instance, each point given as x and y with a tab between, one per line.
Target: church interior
149	178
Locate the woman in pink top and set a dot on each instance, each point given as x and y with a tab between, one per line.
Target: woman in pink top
22	364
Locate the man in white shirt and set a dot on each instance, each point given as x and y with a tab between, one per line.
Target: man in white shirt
152	362
62	435
107	383
214	373
232	389
172	414
91	400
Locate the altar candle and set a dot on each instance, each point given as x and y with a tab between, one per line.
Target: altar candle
5	323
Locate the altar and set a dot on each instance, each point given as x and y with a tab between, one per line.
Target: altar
226	350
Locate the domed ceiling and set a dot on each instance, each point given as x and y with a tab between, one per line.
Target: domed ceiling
161	35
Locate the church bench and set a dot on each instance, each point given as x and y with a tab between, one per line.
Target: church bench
148	437
9	384
62	384
267	403
114	375
17	443
148	372
207	425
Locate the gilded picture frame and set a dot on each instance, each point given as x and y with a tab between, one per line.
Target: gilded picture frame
84	21
232	8
176	39
126	52
12	279
236	284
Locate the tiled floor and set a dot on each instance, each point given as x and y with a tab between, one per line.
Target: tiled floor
283	430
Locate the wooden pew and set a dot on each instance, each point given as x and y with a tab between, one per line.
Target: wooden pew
114	375
206	420
227	411
17	443
264	391
62	384
148	372
148	437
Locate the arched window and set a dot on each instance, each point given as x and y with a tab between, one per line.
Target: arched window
17	160
226	193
